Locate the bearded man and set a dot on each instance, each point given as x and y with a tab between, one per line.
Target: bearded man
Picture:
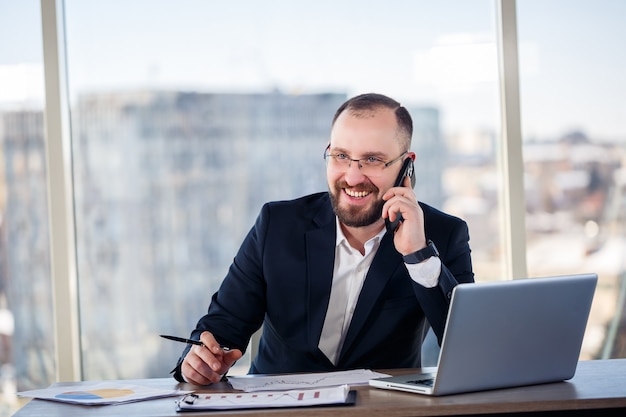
333	285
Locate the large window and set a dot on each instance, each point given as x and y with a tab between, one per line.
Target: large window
26	326
573	112
188	118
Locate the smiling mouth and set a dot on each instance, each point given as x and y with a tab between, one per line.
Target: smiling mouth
357	194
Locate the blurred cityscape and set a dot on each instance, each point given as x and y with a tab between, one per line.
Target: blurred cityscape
168	183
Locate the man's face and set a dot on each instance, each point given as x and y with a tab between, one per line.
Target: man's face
357	198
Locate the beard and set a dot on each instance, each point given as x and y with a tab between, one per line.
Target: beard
353	216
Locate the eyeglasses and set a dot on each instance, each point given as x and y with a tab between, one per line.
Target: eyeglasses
369	166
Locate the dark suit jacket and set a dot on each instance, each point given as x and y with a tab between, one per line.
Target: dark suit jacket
281	278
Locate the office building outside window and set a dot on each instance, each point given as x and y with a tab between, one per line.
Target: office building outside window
26	325
177	147
574	153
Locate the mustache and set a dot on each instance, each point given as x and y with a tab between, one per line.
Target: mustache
365	187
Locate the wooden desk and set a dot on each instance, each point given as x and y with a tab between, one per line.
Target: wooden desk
599	388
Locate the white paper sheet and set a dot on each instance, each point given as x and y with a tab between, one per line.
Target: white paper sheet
100	393
266	399
251	383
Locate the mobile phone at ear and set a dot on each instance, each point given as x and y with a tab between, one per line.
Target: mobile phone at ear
405	171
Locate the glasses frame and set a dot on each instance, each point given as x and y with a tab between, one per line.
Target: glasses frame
358	161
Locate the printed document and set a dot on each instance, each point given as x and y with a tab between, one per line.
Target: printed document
267	399
251	383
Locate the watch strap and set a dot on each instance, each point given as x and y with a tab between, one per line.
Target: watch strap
421	255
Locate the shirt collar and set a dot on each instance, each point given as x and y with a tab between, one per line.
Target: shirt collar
341	238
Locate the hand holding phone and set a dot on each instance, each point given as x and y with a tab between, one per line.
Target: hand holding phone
405	171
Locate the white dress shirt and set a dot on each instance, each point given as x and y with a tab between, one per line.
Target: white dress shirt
349	273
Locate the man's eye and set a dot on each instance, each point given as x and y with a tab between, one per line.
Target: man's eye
342	157
372	161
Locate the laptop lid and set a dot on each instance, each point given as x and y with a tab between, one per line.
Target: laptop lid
511	333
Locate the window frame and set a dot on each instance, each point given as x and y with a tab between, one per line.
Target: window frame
57	137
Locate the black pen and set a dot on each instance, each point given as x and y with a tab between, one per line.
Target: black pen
191	341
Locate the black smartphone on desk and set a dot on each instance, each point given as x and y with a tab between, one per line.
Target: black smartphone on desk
405	171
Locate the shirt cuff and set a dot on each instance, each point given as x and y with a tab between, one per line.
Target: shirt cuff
425	273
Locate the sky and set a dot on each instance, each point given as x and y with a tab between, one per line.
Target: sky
434	53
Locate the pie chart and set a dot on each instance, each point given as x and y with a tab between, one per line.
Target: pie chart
96	394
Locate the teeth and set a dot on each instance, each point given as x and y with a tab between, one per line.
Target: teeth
357	194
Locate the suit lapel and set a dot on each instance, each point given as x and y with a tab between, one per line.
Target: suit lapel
385	262
320	262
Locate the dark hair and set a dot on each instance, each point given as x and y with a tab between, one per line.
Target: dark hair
373	101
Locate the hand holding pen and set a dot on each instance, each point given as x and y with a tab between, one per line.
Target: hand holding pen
207	361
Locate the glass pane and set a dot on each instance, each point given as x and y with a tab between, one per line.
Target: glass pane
26	326
188	118
572	87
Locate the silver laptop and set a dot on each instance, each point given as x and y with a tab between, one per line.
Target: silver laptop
507	334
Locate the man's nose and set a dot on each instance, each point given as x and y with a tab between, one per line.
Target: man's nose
353	174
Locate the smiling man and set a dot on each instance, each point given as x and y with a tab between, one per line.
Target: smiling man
333	287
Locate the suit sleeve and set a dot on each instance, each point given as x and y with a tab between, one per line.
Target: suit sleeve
237	309
456	267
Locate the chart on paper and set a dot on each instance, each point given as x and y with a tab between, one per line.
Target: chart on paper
100	393
266	399
251	383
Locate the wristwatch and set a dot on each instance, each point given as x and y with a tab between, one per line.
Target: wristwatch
422	254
